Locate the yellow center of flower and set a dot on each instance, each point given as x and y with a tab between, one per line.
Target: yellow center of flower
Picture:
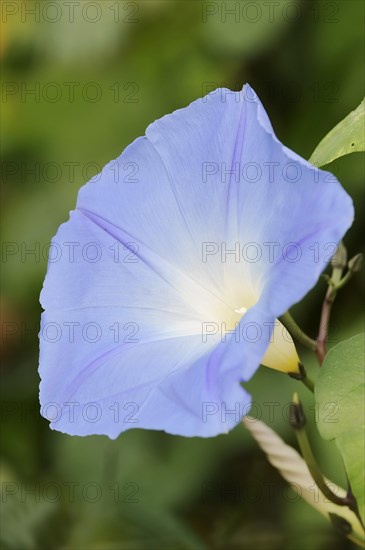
220	313
281	353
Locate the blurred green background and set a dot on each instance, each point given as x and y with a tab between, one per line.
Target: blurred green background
100	73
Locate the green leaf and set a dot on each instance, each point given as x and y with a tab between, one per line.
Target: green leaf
347	137
339	395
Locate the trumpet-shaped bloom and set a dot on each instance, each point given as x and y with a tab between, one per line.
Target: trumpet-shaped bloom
164	287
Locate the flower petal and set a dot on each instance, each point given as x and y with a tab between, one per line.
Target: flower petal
121	344
132	257
300	214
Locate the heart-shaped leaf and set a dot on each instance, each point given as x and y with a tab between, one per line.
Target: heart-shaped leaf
348	136
339	394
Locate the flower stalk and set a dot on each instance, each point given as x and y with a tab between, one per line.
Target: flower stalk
335	283
295	470
296	332
298	422
303	377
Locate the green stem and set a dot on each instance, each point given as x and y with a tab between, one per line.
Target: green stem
308	456
338	265
344	280
308	382
303	377
296	332
335	283
298	421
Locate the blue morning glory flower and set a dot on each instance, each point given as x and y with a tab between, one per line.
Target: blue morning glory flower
164	287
